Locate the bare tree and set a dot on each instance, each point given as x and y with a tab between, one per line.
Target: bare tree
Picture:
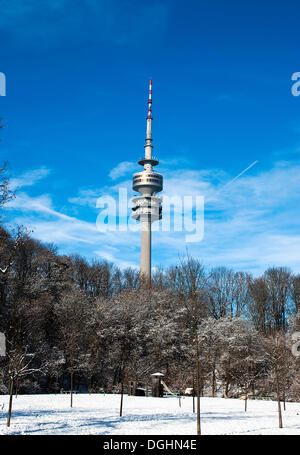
278	281
71	317
19	366
279	355
6	193
241	294
220	292
190	281
260	305
295	292
125	312
9	246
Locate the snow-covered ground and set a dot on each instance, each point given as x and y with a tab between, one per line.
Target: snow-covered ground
99	414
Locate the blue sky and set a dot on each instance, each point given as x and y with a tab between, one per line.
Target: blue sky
77	76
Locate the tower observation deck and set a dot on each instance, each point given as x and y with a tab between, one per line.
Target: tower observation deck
147	207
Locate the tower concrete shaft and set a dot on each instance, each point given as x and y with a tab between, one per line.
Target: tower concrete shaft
145	259
147	208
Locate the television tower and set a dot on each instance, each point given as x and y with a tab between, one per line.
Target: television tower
147	207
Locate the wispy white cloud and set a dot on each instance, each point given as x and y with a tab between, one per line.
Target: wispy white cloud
29	178
86	197
70	233
115	257
123	168
251	224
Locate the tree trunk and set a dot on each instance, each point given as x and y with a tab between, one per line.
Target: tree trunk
57	384
193	394
197	382
71	388
89	384
246	396
11	389
122	393
201	387
180	399
278	401
279	412
284	400
226	389
213	385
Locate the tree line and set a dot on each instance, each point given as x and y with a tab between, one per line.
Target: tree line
94	318
72	324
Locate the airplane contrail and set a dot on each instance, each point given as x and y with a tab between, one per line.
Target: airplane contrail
235	178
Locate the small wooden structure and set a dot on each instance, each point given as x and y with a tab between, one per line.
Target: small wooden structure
157	387
136	389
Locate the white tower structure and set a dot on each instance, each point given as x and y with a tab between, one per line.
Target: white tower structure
147	207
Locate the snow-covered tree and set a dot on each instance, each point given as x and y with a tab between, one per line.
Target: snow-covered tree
71	316
281	361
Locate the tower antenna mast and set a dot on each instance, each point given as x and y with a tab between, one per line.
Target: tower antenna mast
147	207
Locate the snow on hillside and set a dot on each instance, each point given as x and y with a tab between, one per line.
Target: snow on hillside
99	414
